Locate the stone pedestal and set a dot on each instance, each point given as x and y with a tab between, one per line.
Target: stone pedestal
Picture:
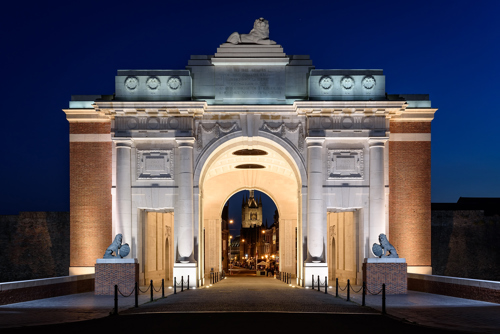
392	272
314	269
185	270
111	272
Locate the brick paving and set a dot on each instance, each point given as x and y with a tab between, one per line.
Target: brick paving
251	294
246	304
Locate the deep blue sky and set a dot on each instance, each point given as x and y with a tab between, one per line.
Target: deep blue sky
449	50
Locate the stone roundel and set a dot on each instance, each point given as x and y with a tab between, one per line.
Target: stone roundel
326	123
173	123
131	83
174	83
347	82
326	82
132	123
368	82
153	83
153	123
347	122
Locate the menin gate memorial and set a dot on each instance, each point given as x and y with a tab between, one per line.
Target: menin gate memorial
344	162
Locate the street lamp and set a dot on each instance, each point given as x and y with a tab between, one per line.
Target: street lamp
229	255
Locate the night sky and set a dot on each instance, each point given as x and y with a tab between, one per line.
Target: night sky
449	50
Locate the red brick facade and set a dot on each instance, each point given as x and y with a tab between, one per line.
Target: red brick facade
90	195
107	275
393	275
410	194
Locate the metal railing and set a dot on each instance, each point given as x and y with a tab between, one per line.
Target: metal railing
363	289
150	288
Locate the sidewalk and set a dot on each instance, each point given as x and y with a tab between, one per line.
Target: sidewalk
433	310
422	308
70	308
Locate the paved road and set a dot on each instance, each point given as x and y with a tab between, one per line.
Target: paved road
252	294
249	305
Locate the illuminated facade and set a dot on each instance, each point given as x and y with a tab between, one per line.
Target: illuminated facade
342	160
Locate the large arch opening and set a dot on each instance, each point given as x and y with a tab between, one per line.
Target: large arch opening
250	234
230	168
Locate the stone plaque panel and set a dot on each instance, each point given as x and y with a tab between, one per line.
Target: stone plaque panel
238	83
155	165
345	164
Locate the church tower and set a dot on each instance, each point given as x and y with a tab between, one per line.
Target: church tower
251	212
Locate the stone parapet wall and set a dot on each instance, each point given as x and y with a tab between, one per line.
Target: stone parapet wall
488	291
22	291
393	275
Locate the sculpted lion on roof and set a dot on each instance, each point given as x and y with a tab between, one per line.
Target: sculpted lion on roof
258	35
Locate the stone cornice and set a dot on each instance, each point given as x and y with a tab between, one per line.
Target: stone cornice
328	108
153	108
414	115
85	115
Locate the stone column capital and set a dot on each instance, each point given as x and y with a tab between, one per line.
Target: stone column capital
123	143
374	142
315	141
185	142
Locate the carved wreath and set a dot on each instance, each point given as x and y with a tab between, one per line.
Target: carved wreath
282	129
216	130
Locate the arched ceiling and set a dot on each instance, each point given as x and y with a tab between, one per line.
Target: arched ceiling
279	178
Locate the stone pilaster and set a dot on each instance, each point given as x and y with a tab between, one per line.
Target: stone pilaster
184	213
315	214
123	190
377	191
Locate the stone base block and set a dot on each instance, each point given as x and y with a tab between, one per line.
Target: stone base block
111	272
392	272
184	270
314	269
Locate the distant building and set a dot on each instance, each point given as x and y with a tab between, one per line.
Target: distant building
465	238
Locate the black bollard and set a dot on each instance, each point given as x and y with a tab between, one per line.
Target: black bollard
136	295
115	312
151	287
182	283
336	287
312	278
319	283
175	285
326	284
348	288
162	288
188	283
364	294
383	298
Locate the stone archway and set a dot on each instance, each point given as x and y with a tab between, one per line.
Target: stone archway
275	173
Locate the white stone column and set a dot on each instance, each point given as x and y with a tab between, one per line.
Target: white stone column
123	190
377	191
184	212
315	228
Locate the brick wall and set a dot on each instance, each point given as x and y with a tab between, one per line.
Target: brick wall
90	195
410	194
393	275
32	290
107	275
455	290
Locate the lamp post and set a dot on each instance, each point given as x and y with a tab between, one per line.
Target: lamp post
229	257
230	251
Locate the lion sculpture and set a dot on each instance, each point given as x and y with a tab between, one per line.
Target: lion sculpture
258	35
384	247
117	248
